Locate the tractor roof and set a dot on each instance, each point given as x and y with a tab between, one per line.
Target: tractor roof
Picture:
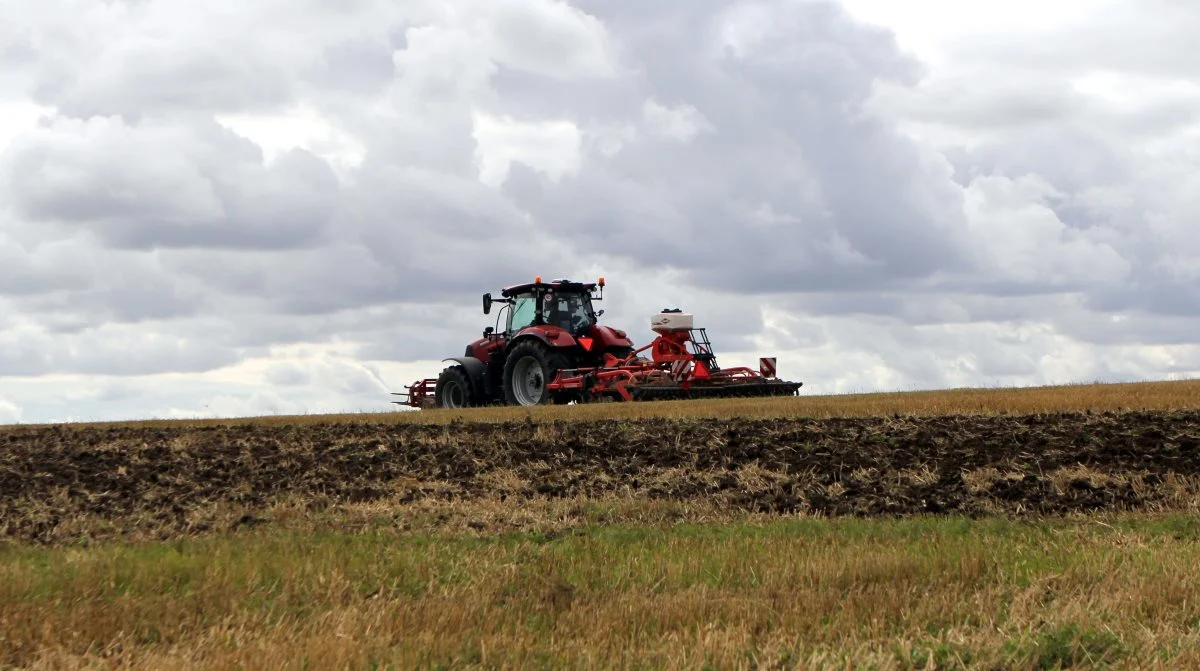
557	285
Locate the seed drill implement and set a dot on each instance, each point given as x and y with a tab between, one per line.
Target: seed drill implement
553	349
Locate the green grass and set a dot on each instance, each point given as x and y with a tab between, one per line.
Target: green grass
953	592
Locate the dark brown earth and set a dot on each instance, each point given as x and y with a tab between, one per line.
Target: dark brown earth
58	482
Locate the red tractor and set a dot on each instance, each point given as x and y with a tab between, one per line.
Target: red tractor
552	350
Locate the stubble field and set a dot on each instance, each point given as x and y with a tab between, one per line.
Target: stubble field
1018	528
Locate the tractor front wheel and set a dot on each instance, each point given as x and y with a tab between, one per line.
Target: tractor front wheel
453	389
528	368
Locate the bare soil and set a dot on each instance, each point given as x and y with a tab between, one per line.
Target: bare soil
59	482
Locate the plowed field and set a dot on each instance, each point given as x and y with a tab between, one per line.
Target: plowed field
59	483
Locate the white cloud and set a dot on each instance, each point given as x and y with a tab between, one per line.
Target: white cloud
18	118
935	29
550	147
302	128
550	38
10	413
1024	241
680	123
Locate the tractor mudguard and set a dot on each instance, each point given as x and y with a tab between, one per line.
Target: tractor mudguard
476	370
552	336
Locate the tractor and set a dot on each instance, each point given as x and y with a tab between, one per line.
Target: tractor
547	326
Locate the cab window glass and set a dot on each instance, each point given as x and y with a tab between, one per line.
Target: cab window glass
523	310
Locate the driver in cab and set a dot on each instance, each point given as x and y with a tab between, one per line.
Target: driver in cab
564	313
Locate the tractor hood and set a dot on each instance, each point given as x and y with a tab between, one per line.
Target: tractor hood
607	336
595	339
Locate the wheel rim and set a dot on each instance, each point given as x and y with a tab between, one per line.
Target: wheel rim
453	396
528	383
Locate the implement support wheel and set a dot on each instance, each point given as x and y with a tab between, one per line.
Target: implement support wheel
453	389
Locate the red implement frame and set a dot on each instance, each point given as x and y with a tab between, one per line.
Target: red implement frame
675	371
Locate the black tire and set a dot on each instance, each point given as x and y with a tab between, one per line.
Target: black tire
535	365
453	389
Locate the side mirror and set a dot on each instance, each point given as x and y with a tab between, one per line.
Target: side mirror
487	303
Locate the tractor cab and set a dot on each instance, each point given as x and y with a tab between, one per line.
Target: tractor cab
562	303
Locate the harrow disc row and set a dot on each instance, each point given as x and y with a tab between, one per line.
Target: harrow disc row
665	392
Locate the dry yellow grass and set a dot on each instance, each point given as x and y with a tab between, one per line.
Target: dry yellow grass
1172	395
942	594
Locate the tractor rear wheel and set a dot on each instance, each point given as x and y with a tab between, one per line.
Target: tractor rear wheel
453	389
528	368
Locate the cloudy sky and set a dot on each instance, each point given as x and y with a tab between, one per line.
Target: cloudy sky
230	208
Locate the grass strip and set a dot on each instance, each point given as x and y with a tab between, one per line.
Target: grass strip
886	594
